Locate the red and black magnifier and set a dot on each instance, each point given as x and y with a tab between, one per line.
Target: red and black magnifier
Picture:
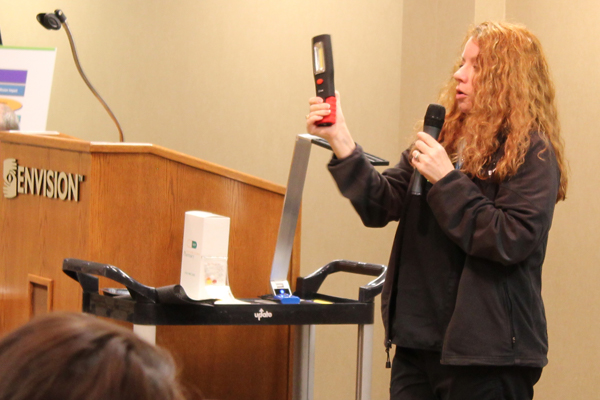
323	71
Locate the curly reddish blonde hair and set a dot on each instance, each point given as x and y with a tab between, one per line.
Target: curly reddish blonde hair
513	97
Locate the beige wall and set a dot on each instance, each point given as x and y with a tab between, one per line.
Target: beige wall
228	80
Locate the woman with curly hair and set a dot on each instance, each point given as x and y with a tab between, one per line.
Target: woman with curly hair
462	297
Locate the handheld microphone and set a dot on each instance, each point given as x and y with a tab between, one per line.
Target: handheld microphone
53	21
434	120
323	71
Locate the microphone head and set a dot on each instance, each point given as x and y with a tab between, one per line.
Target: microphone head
49	21
435	116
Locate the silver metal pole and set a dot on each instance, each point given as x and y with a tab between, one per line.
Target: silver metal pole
364	362
304	362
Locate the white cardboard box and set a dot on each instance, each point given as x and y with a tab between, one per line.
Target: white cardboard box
204	255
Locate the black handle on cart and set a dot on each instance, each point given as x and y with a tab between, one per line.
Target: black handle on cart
309	285
83	271
373	159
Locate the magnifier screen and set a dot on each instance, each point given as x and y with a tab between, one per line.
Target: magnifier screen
319	58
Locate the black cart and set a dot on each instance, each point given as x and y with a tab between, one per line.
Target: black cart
146	307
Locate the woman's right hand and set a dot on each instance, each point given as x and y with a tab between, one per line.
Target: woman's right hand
337	134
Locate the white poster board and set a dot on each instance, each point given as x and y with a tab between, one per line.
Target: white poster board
26	83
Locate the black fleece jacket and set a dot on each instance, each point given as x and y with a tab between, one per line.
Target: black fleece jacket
498	315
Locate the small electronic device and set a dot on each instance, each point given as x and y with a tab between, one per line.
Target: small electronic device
287	299
323	72
285	296
281	287
282	293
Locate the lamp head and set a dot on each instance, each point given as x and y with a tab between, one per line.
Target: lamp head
52	20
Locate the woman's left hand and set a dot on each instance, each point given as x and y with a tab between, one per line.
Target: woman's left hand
430	158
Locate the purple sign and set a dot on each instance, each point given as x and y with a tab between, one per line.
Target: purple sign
13	76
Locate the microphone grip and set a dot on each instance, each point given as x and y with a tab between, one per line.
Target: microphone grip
418	180
417	185
433	131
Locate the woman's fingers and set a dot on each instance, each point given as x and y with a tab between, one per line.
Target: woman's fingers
319	106
415	155
430	158
315	100
317	110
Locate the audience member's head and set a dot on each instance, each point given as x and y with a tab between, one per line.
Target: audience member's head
74	356
8	119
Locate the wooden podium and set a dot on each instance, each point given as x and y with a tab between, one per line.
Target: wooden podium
124	204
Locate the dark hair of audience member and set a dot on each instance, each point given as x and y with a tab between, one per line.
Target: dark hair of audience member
74	356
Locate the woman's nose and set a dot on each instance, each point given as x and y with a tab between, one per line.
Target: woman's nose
459	75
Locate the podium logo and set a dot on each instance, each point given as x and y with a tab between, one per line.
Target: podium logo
39	182
10	178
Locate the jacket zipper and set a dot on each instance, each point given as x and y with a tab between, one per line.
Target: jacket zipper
510	315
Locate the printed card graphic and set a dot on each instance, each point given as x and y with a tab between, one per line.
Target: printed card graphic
215	270
26	82
9	173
